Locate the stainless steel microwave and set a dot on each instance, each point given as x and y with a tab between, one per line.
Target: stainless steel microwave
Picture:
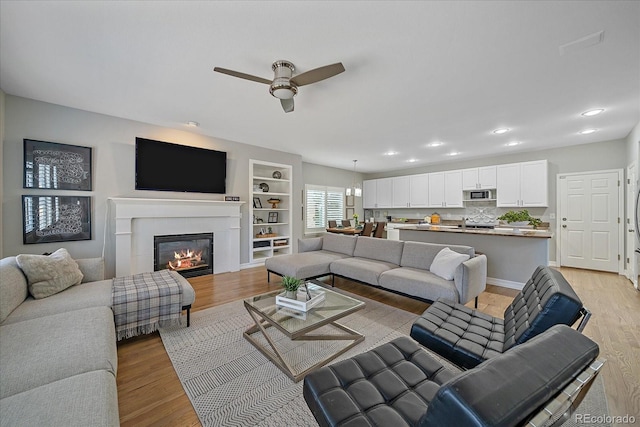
480	194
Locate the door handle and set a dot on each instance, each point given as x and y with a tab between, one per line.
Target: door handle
564	226
631	230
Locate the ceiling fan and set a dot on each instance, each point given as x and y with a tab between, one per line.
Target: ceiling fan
284	86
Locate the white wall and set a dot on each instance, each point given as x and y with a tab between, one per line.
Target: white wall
113	142
2	97
633	145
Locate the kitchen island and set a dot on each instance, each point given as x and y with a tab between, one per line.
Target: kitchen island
512	255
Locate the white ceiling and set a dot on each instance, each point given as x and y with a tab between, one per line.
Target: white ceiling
416	72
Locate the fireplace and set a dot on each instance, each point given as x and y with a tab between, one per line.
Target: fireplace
189	254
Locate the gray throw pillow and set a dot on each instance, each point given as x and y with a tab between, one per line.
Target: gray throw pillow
48	275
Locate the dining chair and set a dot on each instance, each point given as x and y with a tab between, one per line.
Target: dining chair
333	223
346	223
367	229
379	229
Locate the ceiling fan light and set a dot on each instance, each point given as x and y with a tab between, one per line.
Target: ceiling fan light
282	92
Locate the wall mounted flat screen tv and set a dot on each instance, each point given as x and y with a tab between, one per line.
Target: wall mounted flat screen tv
163	166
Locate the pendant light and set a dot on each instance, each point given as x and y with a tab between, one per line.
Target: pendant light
355	189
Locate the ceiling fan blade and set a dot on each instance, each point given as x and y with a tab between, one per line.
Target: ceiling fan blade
287	105
318	74
242	75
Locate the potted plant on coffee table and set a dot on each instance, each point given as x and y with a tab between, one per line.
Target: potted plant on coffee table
291	285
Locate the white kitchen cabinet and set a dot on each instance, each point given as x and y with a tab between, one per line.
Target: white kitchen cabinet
377	193
522	184
401	189
534	184
384	193
419	191
453	189
479	178
436	189
445	189
369	194
369	199
411	191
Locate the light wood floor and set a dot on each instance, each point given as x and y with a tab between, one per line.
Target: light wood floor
150	393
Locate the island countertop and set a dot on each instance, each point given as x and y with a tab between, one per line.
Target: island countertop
498	231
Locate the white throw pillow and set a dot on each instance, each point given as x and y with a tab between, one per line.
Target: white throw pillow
446	262
48	275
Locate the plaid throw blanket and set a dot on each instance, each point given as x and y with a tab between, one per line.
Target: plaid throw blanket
146	301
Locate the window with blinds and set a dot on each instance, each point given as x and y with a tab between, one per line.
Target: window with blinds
322	204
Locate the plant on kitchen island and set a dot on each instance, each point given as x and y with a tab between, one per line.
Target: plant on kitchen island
520	216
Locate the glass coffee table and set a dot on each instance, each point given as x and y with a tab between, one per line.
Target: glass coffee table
281	346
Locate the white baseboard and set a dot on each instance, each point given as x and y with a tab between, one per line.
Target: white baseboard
251	265
505	283
552	264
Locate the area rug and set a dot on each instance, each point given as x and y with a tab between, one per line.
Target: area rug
230	383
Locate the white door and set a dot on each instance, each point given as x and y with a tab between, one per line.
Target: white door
631	264
589	220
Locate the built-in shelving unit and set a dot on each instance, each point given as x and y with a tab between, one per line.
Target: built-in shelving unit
269	181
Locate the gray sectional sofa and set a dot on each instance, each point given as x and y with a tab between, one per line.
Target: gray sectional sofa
396	266
58	355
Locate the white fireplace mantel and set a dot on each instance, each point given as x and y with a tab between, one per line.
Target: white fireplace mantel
137	220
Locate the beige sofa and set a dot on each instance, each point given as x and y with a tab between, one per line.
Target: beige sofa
58	358
406	268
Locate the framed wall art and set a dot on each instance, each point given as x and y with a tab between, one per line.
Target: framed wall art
273	217
257	204
48	219
50	165
350	201
350	212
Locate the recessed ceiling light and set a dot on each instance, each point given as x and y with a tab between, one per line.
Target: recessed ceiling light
512	143
593	112
390	153
435	144
193	124
587	131
501	131
412	160
453	153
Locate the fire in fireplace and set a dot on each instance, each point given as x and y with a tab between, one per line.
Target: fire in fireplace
189	254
